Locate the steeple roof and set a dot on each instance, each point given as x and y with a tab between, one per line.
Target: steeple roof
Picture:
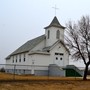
55	23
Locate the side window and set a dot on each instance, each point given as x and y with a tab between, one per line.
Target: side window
20	58
48	34
56	58
61	58
16	58
24	59
58	34
13	59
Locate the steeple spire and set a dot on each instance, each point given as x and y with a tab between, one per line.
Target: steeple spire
55	23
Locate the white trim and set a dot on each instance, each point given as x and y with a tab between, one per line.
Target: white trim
36	52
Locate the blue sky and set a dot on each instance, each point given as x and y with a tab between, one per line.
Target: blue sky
22	20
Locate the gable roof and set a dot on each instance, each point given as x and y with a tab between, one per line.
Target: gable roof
55	23
50	47
28	45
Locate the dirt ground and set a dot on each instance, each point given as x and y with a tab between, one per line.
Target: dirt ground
46	85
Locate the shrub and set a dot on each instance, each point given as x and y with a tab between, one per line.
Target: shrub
2	69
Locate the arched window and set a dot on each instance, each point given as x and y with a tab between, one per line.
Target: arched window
48	34
58	34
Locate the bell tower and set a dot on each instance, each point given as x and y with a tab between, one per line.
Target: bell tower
54	32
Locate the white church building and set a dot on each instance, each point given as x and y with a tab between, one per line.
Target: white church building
41	54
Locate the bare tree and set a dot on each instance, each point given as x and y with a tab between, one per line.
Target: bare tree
78	41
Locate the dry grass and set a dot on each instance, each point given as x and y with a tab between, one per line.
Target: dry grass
42	83
46	85
4	76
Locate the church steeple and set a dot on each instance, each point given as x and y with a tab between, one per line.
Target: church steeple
54	32
55	23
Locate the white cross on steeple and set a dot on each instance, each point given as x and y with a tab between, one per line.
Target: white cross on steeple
55	9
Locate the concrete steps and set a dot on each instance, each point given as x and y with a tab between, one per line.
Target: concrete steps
72	70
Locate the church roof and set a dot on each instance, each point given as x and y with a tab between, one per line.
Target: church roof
28	45
55	23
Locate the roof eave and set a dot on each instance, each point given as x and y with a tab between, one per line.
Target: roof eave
8	57
65	46
17	51
55	26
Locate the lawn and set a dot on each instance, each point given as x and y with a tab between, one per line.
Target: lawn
28	82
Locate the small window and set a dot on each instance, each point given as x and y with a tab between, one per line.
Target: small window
60	58
56	58
48	34
13	59
58	34
20	58
56	53
24	57
61	54
23	71
16	58
48	51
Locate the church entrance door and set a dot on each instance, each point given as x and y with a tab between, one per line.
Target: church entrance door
59	59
